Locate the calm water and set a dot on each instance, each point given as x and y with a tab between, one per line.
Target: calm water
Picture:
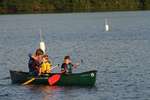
121	56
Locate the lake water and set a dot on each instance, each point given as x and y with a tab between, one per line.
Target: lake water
121	56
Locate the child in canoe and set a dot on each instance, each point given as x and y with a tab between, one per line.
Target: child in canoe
46	65
67	66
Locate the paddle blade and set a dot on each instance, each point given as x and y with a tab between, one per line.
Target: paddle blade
53	79
29	81
42	46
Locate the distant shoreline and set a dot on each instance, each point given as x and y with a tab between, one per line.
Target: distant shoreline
74	12
70	6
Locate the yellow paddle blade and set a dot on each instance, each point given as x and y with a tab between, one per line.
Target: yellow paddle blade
29	81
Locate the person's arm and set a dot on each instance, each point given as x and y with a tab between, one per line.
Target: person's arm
63	68
75	65
37	67
39	71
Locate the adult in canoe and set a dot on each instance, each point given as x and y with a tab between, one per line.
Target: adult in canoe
35	62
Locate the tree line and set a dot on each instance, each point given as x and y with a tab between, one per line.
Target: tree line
52	6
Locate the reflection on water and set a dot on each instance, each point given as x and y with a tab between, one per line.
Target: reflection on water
57	92
48	91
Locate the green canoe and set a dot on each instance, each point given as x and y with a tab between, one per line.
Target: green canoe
76	79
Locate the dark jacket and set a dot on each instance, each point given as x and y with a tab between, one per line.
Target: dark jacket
66	68
33	66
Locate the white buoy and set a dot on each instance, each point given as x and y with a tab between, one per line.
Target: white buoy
106	25
42	43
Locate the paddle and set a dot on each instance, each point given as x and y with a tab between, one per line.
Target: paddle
29	81
43	47
33	78
42	43
55	78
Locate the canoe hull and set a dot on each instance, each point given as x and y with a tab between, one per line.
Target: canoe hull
76	79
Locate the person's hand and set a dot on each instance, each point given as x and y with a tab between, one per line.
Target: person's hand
77	64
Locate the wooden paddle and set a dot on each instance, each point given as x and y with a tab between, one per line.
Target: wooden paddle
29	81
33	78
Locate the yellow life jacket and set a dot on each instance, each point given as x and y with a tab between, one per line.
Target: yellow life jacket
45	67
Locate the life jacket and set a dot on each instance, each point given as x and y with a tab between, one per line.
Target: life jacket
45	67
66	68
